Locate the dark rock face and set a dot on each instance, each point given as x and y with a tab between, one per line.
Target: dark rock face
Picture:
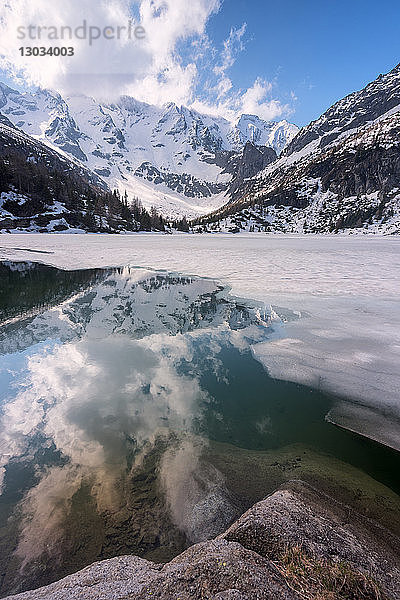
346	170
364	172
247	164
41	190
63	129
243	563
254	159
66	136
241	165
16	141
5	121
182	183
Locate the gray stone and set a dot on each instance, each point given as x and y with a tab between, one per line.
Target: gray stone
239	564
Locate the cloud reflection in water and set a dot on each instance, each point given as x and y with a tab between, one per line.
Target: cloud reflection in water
103	382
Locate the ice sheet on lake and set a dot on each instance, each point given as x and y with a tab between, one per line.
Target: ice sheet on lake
350	348
347	339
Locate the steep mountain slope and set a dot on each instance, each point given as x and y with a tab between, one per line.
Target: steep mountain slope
341	172
172	157
376	101
245	164
42	190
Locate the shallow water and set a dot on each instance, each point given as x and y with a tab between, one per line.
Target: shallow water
113	384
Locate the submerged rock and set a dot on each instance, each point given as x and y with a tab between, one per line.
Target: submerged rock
295	544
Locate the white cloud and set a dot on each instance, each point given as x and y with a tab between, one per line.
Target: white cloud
168	78
97	391
175	62
150	69
256	100
232	46
122	60
222	100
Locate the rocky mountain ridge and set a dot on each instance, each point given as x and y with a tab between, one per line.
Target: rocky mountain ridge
42	190
340	173
166	156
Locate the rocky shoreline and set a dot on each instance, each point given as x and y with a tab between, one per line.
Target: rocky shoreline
297	543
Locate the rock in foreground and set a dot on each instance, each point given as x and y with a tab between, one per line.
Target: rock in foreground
295	544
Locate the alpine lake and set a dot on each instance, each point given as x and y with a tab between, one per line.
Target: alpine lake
134	419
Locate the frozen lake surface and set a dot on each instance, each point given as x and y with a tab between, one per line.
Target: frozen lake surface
345	291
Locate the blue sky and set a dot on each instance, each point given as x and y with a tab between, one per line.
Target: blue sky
320	50
286	59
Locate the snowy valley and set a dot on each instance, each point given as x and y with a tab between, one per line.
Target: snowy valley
172	158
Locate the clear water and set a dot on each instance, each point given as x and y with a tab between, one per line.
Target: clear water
115	386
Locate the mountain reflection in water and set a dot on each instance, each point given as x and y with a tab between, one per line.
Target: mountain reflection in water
116	387
94	386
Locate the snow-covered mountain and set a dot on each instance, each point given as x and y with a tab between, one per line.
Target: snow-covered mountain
42	190
172	157
341	172
122	301
251	128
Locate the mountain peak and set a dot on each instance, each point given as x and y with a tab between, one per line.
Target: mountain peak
340	173
353	111
169	156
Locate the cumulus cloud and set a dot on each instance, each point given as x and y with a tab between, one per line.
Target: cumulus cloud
93	67
174	61
97	394
255	100
148	68
168	77
167	63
